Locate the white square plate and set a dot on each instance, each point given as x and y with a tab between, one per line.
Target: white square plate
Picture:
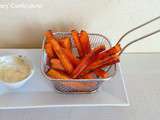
39	92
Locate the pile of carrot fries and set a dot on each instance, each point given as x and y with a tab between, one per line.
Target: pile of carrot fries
89	62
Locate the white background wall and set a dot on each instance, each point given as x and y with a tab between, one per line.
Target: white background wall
24	27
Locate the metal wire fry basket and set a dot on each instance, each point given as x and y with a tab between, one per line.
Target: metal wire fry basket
90	85
78	85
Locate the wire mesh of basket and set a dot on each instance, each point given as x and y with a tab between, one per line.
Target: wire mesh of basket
78	85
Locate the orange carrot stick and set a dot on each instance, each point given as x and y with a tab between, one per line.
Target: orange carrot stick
109	52
59	52
110	63
57	74
84	40
74	60
49	51
85	61
89	84
48	40
65	42
56	64
74	85
79	85
77	43
104	62
89	76
101	73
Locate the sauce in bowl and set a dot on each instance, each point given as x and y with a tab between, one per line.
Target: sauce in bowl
14	69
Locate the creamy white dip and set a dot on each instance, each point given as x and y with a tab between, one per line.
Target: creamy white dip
13	69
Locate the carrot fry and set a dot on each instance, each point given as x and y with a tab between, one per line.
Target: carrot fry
65	42
98	72
89	84
79	85
57	74
84	40
99	49
89	76
49	51
77	43
48	40
109	52
107	61
75	85
85	61
101	73
74	60
56	64
59	52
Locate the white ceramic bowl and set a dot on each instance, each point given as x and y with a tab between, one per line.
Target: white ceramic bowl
13	85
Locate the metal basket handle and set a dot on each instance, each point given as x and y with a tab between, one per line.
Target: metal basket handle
140	38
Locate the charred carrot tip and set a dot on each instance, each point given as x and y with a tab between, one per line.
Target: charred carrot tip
77	43
48	33
73	30
99	49
84	40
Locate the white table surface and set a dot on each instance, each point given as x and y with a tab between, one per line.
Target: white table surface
142	73
40	93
